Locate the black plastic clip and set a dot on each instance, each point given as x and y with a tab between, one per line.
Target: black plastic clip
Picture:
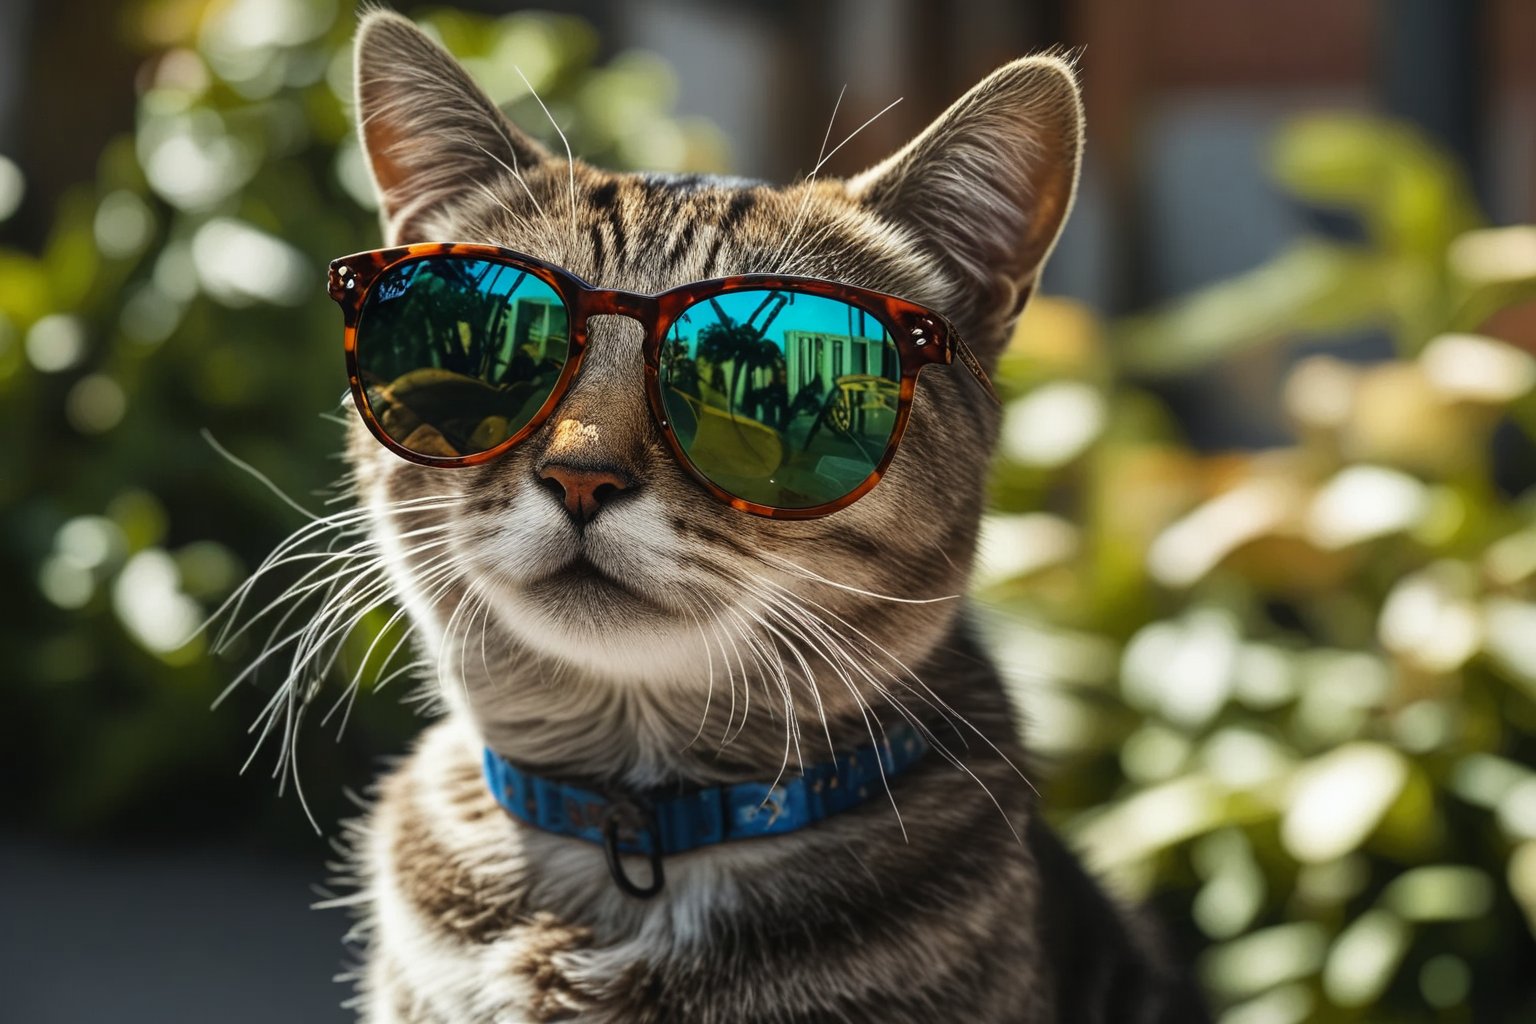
634	818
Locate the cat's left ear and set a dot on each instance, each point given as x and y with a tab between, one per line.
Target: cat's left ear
987	186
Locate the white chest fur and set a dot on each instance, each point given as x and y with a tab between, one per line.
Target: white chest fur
472	913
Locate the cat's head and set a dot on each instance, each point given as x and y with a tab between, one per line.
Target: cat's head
665	599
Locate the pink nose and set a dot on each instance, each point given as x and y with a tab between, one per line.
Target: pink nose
583	490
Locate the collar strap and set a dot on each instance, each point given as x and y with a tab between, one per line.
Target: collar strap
663	822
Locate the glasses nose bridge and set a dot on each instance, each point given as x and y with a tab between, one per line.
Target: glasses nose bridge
613	302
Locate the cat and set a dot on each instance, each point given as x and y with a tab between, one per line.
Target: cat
661	640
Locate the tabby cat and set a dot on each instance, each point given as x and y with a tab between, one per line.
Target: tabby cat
597	619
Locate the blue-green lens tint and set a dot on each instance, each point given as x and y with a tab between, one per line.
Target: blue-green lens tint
785	399
457	355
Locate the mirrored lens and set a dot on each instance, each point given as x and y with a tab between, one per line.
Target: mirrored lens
457	355
785	399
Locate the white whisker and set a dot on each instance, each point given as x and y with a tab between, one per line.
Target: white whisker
570	160
265	480
805	200
811	574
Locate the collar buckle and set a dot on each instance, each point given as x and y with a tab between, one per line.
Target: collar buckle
630	820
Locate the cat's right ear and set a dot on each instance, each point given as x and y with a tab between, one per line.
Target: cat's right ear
428	130
987	186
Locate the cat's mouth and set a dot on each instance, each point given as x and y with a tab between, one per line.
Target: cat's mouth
582	579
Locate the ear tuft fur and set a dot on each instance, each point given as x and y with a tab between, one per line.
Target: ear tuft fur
428	130
988	185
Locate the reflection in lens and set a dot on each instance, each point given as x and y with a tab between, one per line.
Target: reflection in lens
457	355
781	398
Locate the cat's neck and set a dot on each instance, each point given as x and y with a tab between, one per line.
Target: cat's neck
584	728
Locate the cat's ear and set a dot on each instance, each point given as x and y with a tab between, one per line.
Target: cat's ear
987	186
428	130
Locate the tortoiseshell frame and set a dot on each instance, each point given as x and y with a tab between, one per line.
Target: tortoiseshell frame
921	337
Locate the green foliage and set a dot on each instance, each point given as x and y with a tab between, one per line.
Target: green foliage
1413	205
1292	694
184	289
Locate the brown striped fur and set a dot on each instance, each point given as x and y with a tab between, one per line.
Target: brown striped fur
712	645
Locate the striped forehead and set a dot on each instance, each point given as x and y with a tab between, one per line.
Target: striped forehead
649	233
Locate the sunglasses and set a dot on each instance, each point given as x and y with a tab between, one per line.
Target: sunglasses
782	396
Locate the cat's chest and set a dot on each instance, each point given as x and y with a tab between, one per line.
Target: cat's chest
514	966
476	918
536	972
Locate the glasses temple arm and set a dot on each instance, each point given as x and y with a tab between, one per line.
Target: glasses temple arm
965	355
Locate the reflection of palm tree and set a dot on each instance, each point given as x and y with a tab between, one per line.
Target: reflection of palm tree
489	306
769	355
722	342
744	345
680	369
460	314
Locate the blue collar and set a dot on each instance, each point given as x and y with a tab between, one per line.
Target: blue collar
664	822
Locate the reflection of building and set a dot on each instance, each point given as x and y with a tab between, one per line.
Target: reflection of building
539	326
810	355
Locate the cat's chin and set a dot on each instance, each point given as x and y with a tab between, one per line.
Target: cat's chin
624	655
605	629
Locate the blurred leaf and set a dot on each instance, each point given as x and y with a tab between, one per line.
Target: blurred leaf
1265	958
1412	197
1317	746
1313	287
1364	957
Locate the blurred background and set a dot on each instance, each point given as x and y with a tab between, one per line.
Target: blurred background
1262	564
